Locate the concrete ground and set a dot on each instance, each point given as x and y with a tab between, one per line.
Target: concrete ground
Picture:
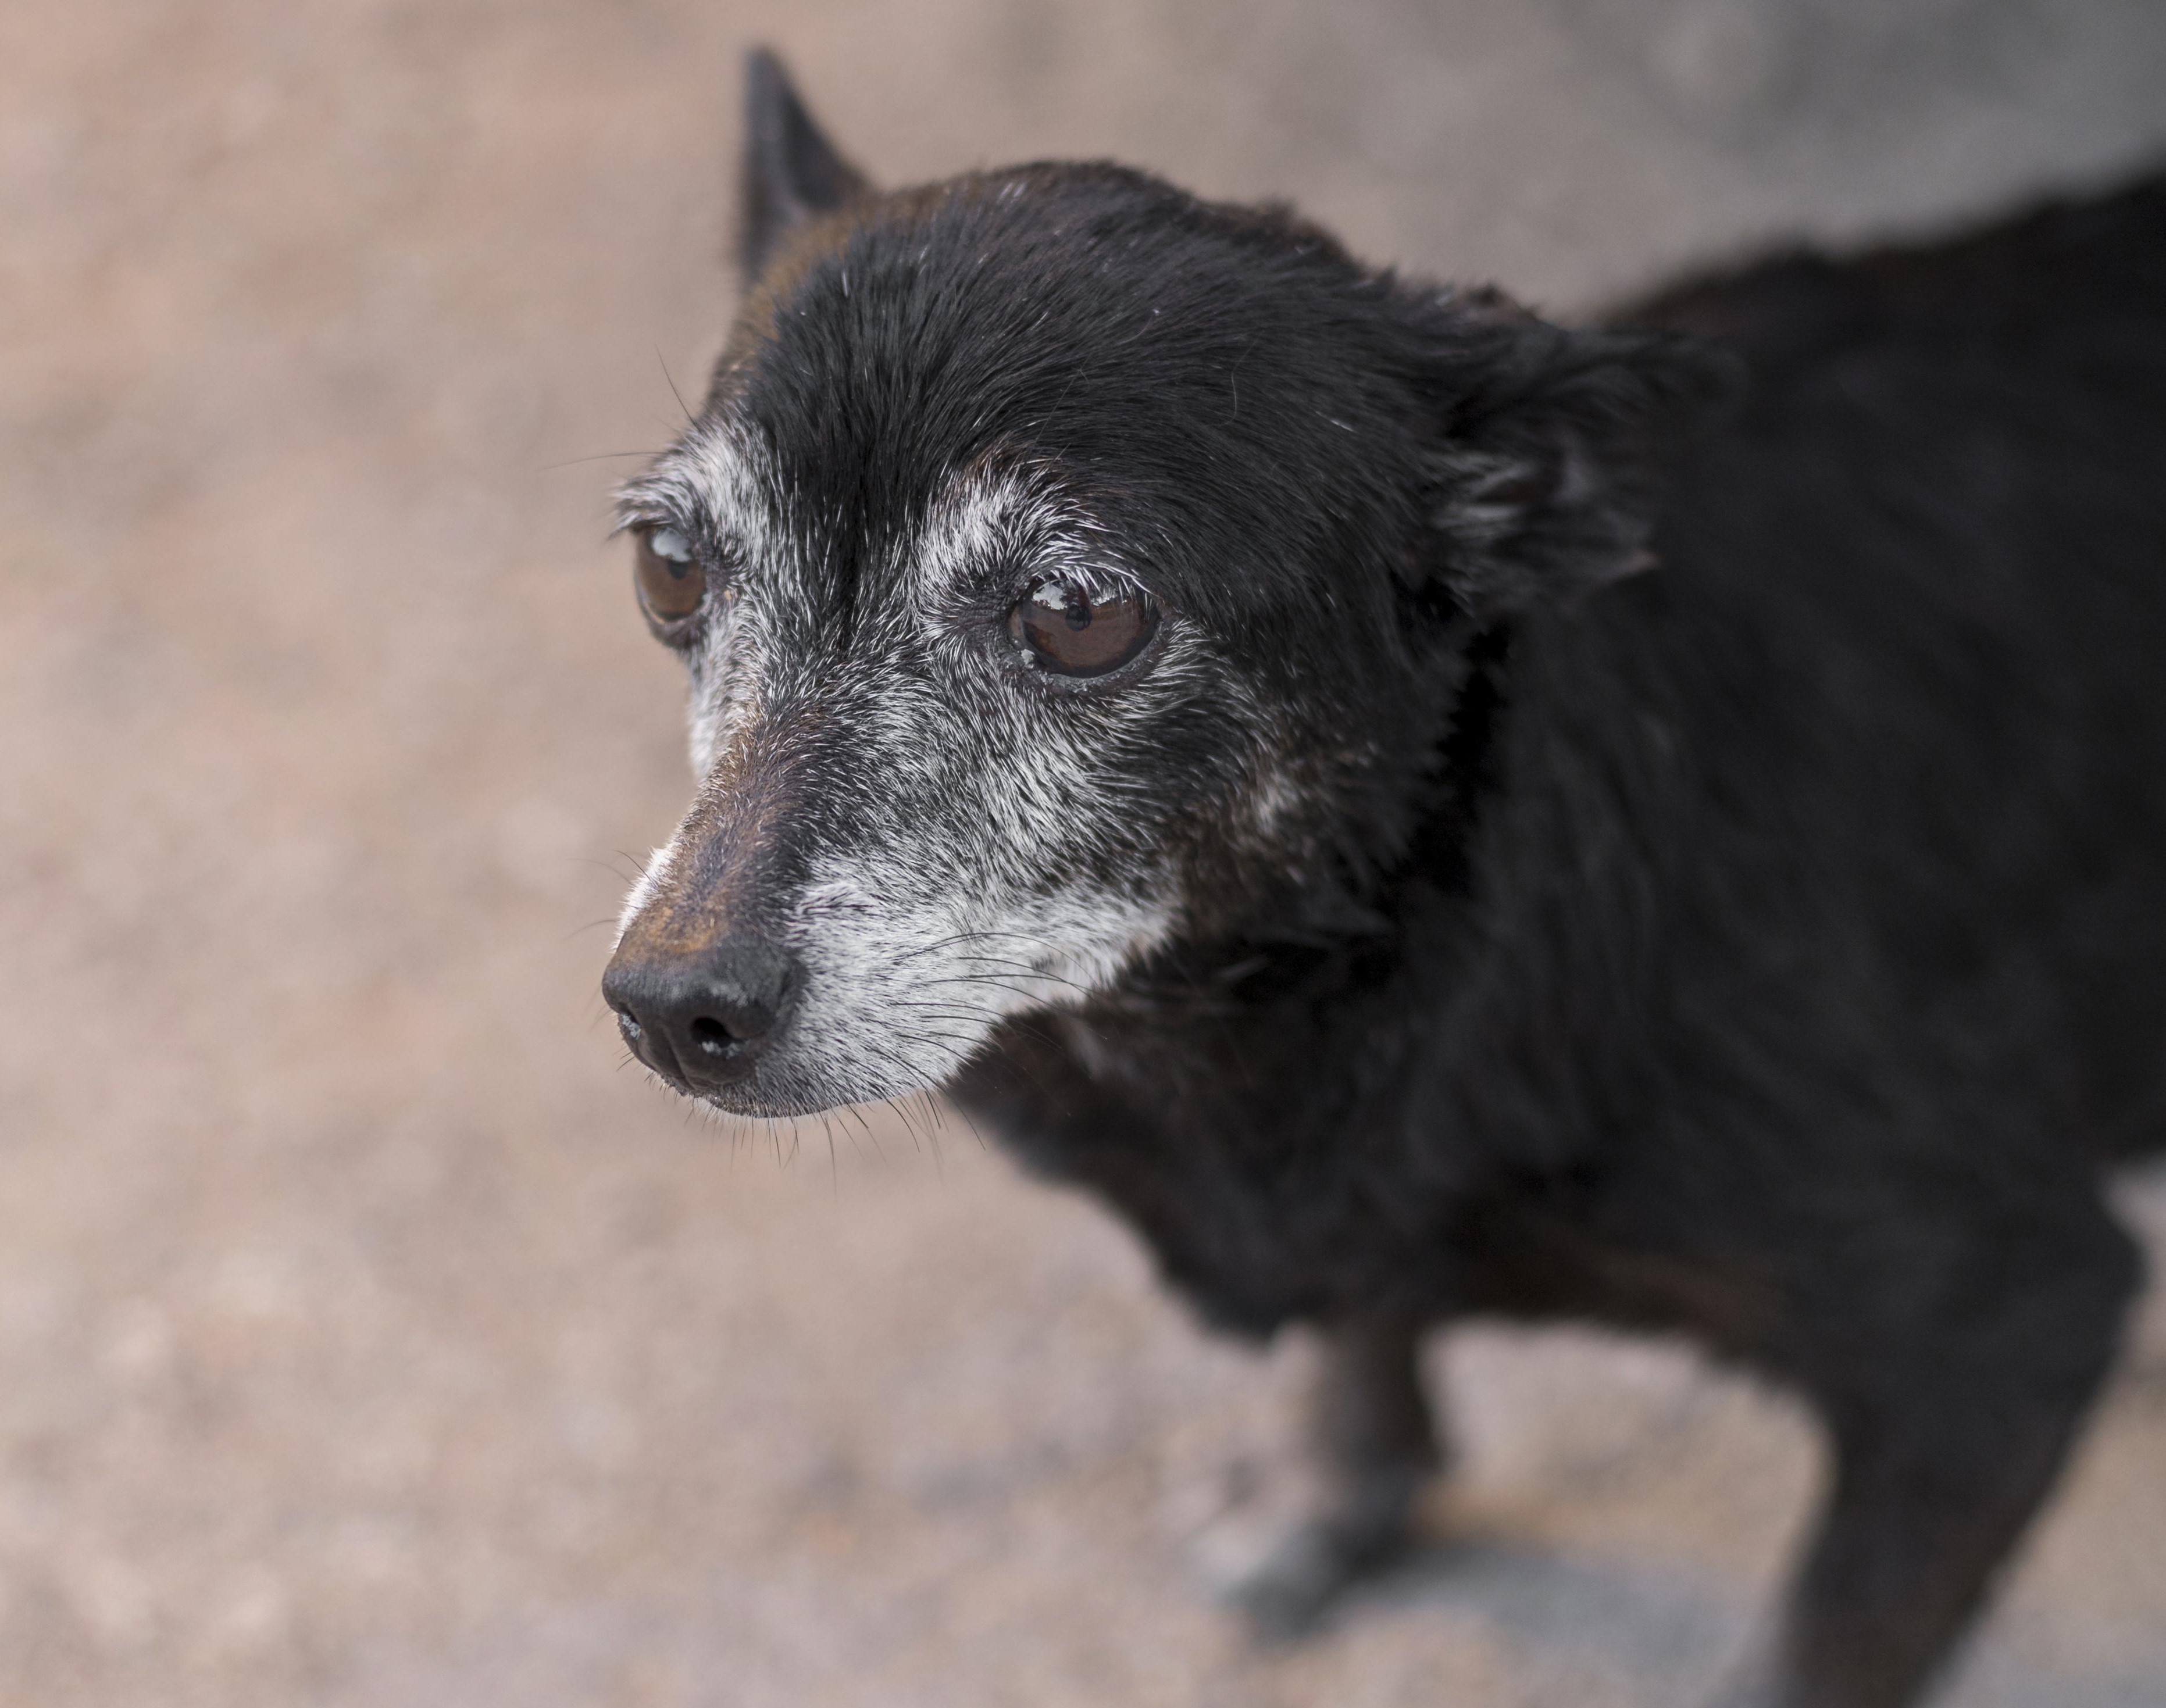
367	1338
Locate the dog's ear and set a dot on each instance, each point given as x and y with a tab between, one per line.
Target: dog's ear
791	173
1556	445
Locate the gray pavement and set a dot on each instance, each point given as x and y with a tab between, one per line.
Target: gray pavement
367	1337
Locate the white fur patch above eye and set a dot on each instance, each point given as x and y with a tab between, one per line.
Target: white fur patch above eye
991	517
718	474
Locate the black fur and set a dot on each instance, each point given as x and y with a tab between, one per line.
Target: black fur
1727	888
792	175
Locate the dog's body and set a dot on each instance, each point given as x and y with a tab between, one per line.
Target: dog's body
1430	913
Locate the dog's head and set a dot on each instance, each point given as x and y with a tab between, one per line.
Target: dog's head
1065	567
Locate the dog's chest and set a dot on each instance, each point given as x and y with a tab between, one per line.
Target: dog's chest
1270	1181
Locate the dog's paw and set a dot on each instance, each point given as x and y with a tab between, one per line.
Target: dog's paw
1285	1584
1285	1571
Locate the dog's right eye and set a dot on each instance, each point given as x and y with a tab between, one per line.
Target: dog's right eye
1065	628
672	583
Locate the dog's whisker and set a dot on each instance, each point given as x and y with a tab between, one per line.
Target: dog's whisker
598	456
987	981
669	380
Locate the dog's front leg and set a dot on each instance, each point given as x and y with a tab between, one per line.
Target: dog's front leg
1948	1426
1369	1445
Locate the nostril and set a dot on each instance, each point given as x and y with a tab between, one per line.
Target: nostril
716	1035
702	1022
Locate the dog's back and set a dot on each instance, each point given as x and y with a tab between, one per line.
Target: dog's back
1918	575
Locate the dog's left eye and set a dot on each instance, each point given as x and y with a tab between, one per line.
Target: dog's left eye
671	581
1068	629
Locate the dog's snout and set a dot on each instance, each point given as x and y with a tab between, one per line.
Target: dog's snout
701	1019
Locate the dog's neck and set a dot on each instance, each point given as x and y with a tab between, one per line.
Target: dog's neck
1343	924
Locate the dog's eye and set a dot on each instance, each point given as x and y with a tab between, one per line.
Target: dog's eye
1071	632
671	581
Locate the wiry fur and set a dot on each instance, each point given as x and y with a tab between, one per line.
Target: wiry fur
1445	915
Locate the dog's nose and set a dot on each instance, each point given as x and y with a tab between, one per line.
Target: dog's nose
701	1020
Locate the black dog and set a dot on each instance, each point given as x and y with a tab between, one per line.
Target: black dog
1430	812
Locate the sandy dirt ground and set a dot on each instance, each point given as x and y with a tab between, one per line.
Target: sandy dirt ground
368	1337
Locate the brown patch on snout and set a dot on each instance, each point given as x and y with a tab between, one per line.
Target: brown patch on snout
732	861
701	983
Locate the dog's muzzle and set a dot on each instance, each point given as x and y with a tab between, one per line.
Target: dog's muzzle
701	1019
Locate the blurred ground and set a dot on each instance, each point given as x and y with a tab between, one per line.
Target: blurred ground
367	1337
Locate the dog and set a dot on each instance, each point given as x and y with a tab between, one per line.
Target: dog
1428	812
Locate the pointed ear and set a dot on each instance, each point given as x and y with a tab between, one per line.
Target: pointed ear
791	173
1555	451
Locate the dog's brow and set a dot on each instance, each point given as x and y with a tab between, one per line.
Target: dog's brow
973	518
983	513
719	475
